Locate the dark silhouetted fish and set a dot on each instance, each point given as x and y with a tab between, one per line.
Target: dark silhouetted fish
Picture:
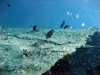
61	26
66	26
8	4
49	34
34	28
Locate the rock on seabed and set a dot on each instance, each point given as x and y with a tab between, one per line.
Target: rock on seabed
26	52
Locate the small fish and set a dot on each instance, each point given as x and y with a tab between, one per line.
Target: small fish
8	5
34	28
49	34
61	26
87	47
66	26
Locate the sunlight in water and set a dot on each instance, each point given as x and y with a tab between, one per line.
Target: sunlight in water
83	24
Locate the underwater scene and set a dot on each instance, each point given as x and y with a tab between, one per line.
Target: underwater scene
49	37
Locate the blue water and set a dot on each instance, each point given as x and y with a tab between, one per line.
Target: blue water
78	14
